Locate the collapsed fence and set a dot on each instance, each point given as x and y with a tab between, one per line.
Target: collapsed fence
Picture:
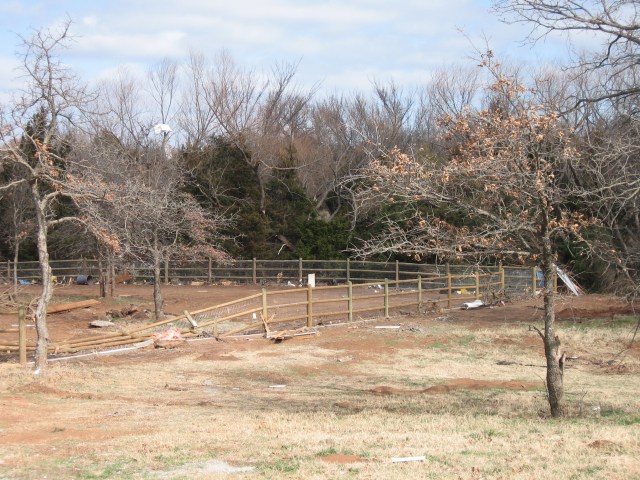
295	310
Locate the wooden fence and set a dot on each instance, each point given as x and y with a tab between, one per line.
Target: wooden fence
296	308
520	280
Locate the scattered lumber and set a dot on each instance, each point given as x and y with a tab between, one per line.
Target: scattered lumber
65	307
283	335
101	324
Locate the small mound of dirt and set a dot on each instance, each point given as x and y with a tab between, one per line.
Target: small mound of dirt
394	391
216	356
35	387
605	444
351	407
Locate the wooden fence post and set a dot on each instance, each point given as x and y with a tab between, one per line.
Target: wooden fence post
209	276
265	311
449	287
166	270
419	293
397	274
350	300
534	281
22	334
348	270
309	306
386	298
254	271
477	284
502	284
300	269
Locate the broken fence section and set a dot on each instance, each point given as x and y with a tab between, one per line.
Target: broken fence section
295	309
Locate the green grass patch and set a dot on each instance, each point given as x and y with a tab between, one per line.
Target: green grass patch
326	451
123	469
333	451
290	465
620	417
628	420
619	322
465	340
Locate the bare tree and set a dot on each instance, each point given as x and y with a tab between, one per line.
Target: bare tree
496	197
385	119
195	119
260	115
609	178
333	151
163	87
140	211
32	140
452	90
19	216
614	22
605	110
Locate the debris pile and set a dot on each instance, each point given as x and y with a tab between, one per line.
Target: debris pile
170	338
130	311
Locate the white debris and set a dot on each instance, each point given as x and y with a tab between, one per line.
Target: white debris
475	304
420	458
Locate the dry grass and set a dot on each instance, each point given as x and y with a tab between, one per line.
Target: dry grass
165	414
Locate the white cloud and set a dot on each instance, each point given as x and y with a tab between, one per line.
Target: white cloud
132	45
9	81
90	20
343	44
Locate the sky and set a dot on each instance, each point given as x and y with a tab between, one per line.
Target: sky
341	45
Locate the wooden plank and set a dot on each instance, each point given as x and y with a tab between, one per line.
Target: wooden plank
65	307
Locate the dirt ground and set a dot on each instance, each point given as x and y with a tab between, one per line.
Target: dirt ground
68	412
75	323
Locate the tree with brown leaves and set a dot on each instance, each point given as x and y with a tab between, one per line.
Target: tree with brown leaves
497	196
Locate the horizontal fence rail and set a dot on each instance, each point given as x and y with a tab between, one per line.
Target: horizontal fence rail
518	280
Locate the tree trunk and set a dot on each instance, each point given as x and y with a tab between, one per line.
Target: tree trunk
262	189
40	314
104	278
112	279
158	301
555	360
16	255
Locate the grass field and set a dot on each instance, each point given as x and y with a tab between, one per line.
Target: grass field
467	396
